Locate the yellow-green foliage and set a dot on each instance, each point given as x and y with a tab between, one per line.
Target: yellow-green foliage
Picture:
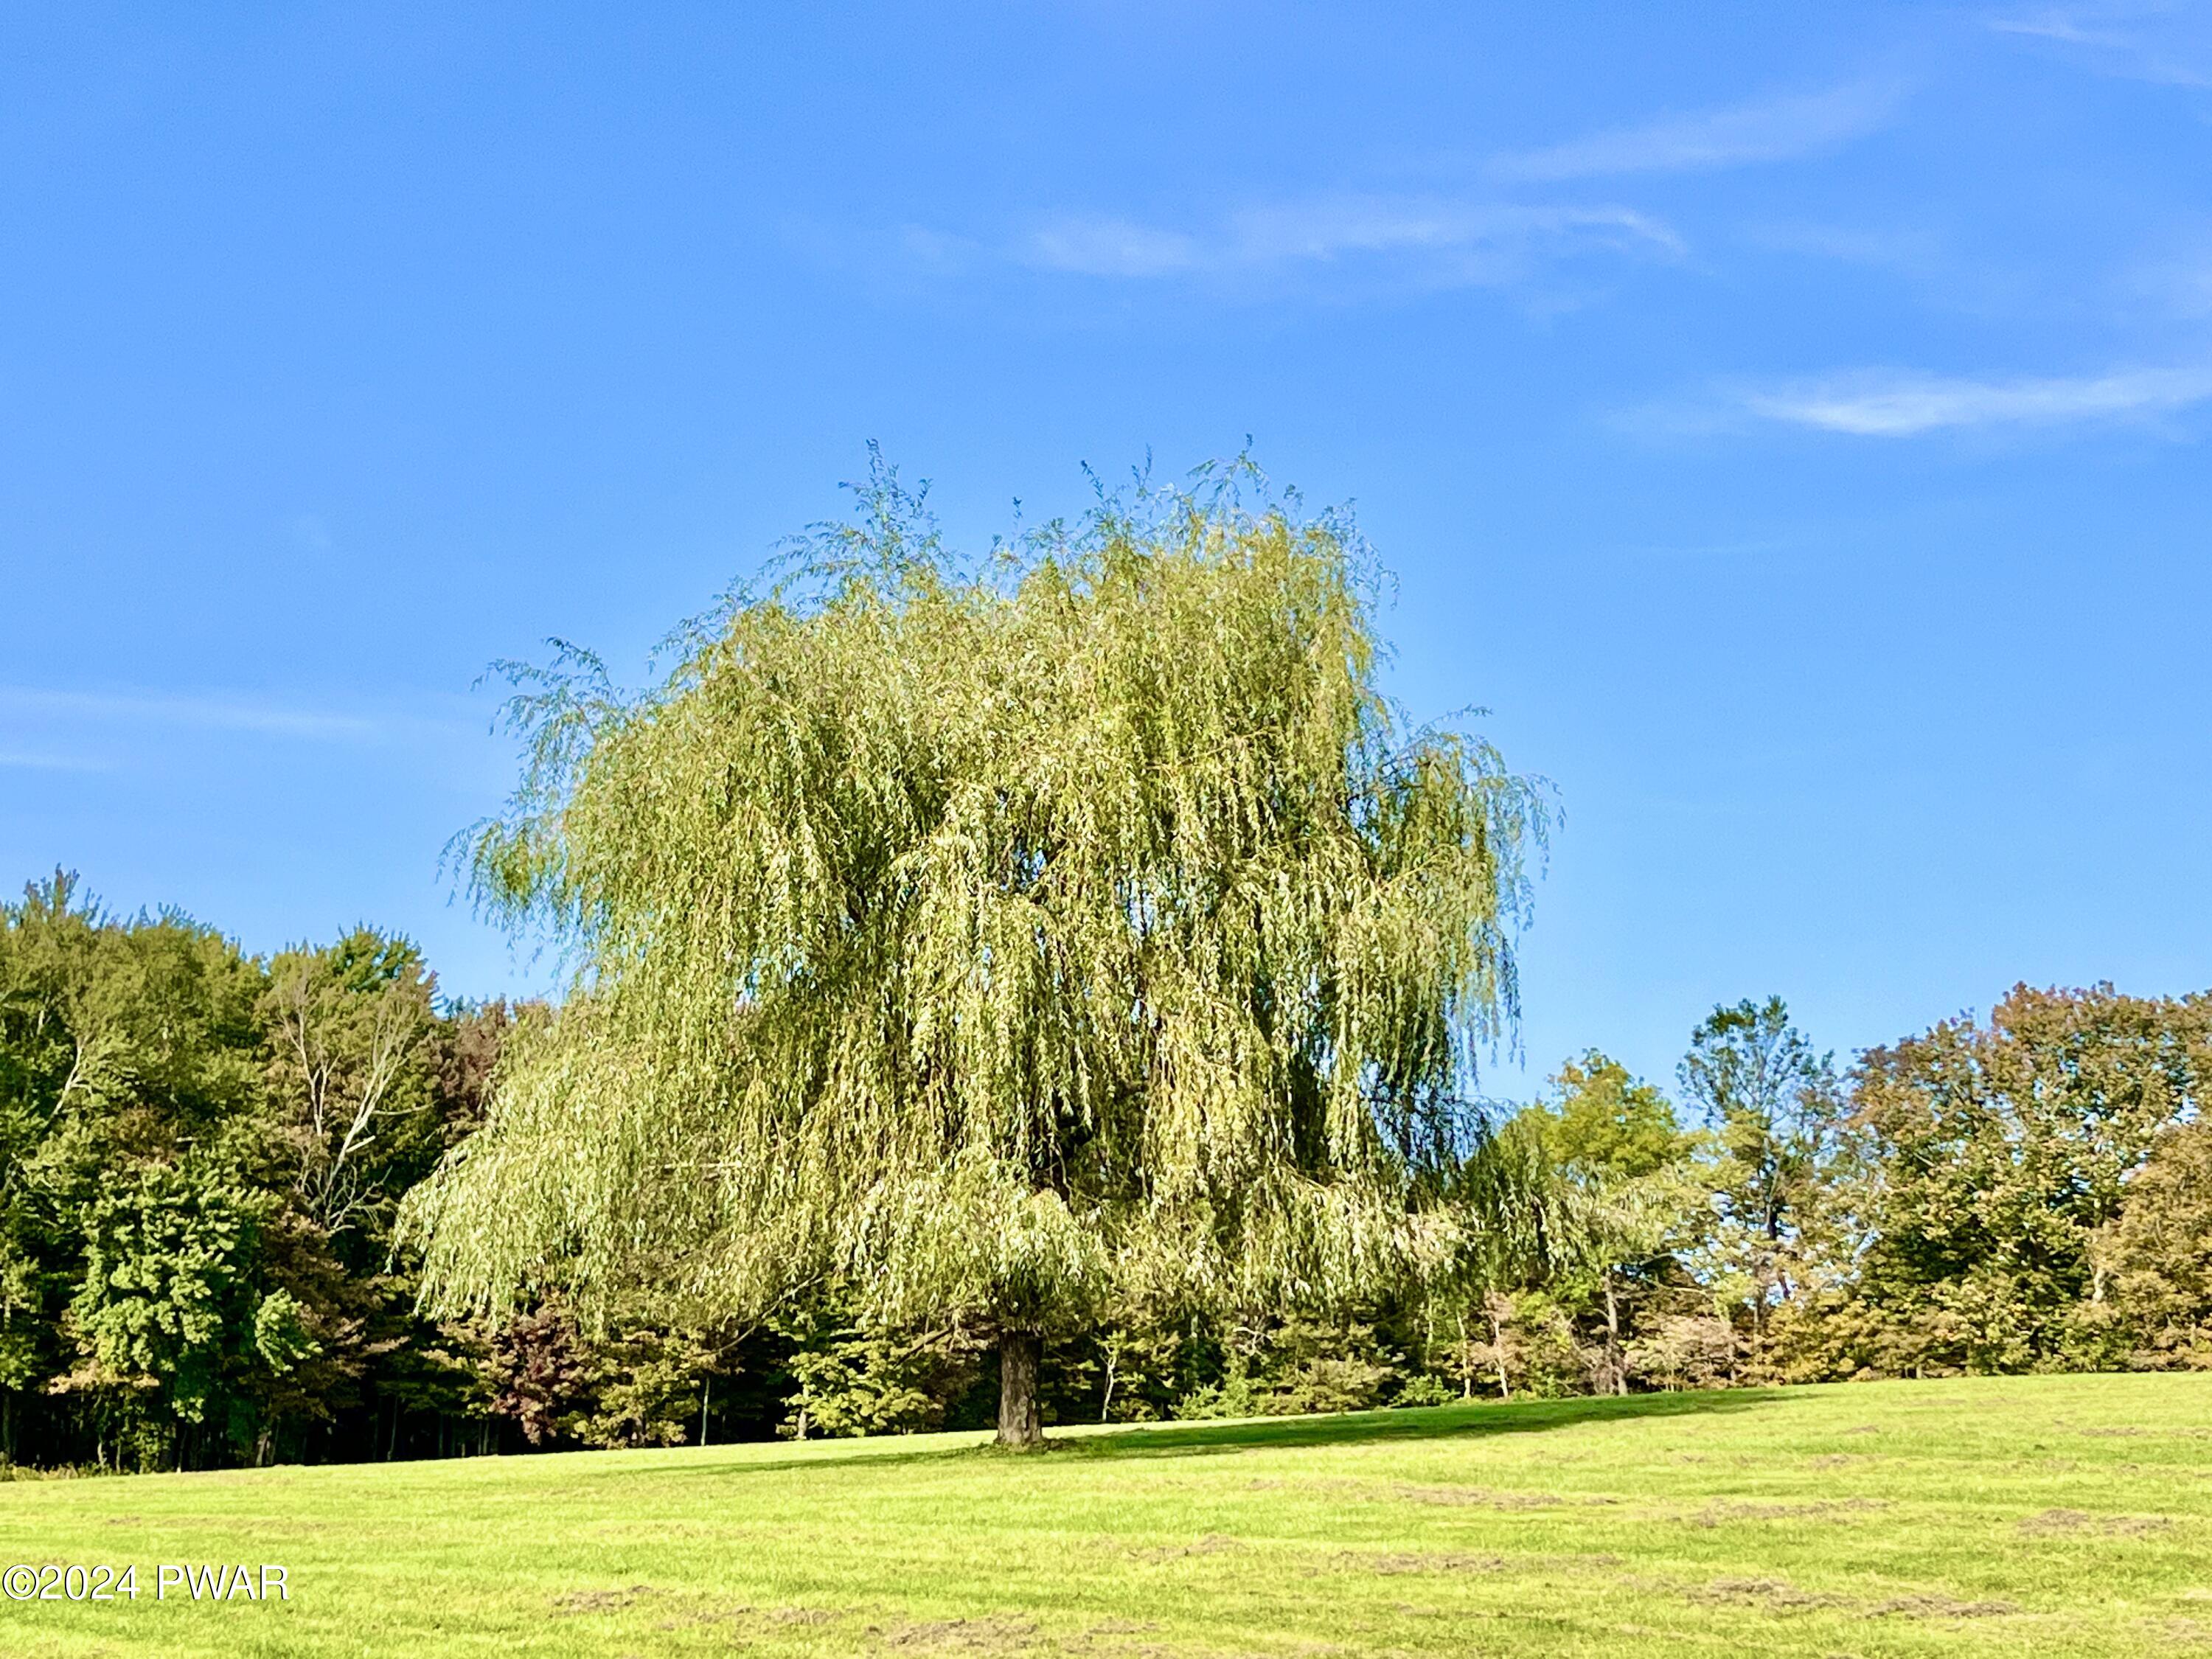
1087	921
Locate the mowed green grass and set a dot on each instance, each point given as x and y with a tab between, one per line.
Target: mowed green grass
2043	1515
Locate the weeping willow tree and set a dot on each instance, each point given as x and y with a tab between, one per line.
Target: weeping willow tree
1000	938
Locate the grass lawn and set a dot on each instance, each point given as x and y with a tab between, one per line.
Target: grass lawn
2032	1516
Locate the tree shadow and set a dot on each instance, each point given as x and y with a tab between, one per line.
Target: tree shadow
1421	1423
1229	1435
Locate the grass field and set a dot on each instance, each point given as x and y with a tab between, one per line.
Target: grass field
2044	1515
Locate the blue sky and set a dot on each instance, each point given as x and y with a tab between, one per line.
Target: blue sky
1789	422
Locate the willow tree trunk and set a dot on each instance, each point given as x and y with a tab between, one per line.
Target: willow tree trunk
1019	1353
1614	1363
1498	1346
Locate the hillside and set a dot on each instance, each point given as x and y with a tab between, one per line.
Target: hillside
2045	1514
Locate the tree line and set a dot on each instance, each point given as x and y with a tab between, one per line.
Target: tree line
205	1152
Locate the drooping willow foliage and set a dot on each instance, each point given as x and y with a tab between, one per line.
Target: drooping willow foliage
1083	921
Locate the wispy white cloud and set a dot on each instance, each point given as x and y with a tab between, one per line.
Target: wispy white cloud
2165	45
1103	245
213	712
1426	239
1894	404
922	246
1909	252
1774	129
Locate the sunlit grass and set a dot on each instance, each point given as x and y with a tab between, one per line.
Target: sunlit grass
2017	1515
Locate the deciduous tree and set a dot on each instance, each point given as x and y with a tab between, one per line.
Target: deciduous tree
996	937
1776	1120
2004	1153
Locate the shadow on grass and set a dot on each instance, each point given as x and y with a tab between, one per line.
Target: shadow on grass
1201	1438
1425	1423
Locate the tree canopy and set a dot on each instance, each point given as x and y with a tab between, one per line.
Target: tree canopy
201	1151
992	934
